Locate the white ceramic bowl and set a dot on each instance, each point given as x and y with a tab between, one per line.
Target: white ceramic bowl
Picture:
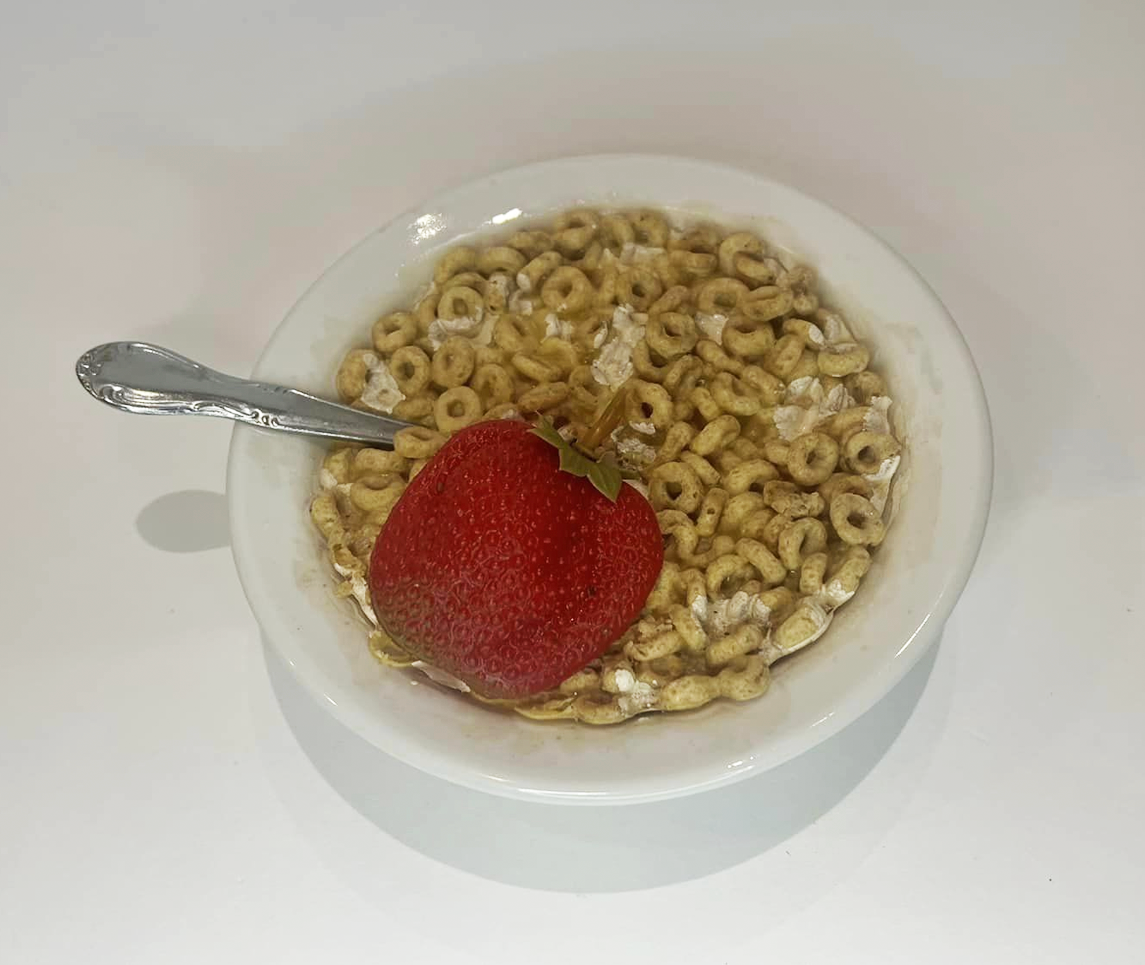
899	612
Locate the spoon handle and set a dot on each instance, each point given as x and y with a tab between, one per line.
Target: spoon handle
147	379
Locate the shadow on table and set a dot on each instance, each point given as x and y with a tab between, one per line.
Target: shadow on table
189	521
708	832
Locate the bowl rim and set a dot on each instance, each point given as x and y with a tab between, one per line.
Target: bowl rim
860	697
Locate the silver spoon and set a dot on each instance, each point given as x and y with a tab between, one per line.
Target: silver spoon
147	379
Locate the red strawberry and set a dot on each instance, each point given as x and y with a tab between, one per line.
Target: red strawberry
507	572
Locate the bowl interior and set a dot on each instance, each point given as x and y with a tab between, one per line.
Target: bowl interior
942	498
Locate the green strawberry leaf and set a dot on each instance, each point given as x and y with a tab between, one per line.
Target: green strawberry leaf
606	478
604	475
547	431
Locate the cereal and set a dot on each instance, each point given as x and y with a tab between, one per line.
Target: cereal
811	458
453	362
393	331
865	451
758	432
457	408
856	521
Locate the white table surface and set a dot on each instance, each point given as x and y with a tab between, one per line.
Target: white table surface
180	172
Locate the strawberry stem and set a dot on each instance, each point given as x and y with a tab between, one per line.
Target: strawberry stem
607	421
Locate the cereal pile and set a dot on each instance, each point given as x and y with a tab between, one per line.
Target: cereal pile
750	420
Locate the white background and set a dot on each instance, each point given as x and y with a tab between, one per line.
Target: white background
180	172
